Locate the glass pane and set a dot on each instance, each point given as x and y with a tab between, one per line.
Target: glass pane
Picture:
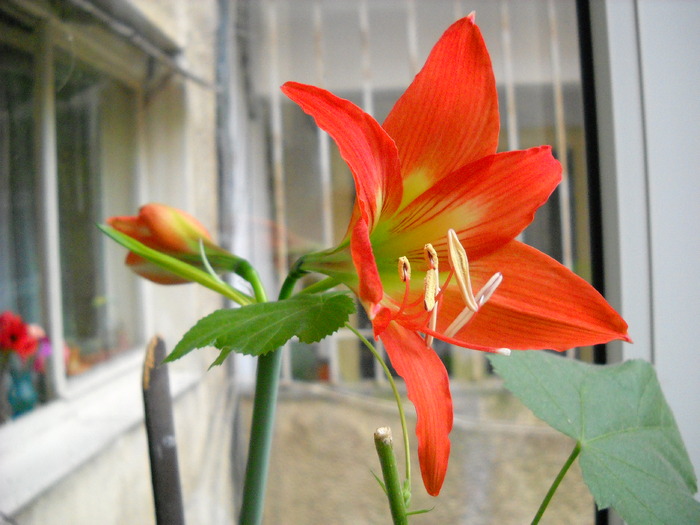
23	383
95	145
20	274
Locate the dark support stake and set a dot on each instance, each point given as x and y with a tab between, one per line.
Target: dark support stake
162	447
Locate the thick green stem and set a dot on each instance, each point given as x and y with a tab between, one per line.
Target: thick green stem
264	407
555	484
385	450
262	424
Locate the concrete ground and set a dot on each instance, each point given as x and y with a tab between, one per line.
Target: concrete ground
502	463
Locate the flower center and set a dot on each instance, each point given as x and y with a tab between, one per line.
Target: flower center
459	264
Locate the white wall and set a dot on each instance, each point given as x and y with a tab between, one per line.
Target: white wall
647	73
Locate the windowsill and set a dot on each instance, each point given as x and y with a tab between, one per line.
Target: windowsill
41	448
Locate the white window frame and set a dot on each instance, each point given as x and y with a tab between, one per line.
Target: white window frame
645	69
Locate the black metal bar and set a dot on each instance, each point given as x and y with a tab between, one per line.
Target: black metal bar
590	123
162	446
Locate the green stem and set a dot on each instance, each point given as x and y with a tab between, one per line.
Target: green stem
385	450
248	272
262	424
320	286
397	397
555	484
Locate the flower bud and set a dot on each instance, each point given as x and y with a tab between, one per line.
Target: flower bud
170	231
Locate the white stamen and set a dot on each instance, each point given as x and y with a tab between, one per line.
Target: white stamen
503	351
459	321
484	295
432	325
489	288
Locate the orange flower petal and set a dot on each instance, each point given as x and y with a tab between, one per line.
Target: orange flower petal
448	117
172	229
370	289
429	391
164	228
369	152
488	203
132	226
540	304
150	271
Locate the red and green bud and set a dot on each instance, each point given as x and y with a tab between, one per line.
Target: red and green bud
172	232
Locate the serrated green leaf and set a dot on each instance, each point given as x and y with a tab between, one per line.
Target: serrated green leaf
260	328
632	455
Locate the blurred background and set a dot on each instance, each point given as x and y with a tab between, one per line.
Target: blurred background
108	104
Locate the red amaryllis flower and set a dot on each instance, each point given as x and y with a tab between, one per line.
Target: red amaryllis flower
15	336
170	231
430	169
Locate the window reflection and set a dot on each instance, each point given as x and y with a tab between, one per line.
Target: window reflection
95	145
20	274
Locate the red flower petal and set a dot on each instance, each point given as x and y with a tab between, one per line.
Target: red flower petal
370	288
134	227
164	228
448	117
172	229
15	336
151	271
540	304
428	388
488	203
369	152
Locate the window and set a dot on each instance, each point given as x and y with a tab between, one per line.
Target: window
20	273
68	142
95	169
368	53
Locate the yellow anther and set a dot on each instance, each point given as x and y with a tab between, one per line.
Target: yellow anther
431	256
404	269
460	268
430	290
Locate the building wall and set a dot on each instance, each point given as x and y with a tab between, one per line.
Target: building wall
83	459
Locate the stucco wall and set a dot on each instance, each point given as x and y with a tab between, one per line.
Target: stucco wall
113	488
